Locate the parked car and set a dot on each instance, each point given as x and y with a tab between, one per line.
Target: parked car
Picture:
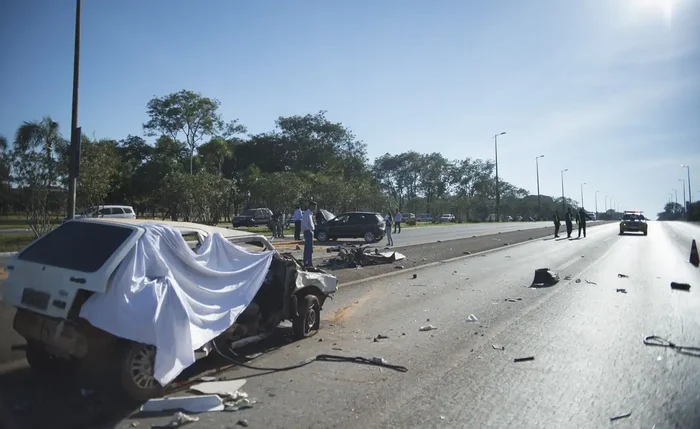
366	225
408	218
425	217
447	218
56	276
519	218
108	211
253	217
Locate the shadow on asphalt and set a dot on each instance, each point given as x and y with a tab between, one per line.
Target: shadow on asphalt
32	400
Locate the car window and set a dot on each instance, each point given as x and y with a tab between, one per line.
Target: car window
128	210
632	217
105	211
342	219
79	246
117	210
378	217
356	218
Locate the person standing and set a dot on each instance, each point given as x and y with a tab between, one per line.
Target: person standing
569	222
398	217
297	223
581	219
389	238
557	223
307	228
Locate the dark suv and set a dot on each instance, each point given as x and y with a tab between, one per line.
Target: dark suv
252	217
365	225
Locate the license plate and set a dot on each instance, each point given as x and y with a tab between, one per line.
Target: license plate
36	299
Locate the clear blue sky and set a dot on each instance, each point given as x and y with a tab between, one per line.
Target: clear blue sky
609	89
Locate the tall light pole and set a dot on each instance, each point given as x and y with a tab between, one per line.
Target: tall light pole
498	196
539	203
563	198
676	191
685	206
690	192
75	133
606	203
582	193
596	203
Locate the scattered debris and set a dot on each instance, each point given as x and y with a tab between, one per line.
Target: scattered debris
680	286
591	283
352	256
191	404
180	419
623	276
507	256
427	328
399	267
223	388
320	340
524	359
442	417
238	401
415	276
545	277
472	318
208	378
623	416
466	253
567	277
513	299
337	349
243	423
381	337
578	281
498	347
134	424
506	244
621	290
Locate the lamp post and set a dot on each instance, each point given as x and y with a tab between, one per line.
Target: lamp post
498	196
676	192
75	134
606	204
596	204
582	193
690	192
539	203
563	198
685	206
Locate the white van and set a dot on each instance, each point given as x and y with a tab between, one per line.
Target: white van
122	212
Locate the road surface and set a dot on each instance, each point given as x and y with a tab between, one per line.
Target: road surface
586	339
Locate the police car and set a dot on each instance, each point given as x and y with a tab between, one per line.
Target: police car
633	221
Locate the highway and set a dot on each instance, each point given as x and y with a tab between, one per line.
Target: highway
585	334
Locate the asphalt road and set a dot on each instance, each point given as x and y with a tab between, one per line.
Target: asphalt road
586	339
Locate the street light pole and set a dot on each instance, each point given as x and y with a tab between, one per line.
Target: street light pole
498	196
75	135
539	203
582	193
690	192
685	206
606	204
596	203
563	198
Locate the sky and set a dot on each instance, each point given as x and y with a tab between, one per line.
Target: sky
608	89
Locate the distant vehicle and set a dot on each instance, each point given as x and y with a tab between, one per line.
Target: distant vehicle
108	211
491	218
633	221
447	218
425	217
519	218
591	216
366	225
408	218
509	218
252	217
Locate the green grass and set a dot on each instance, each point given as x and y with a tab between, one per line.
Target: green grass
14	242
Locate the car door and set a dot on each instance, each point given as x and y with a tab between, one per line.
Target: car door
117	212
357	225
336	227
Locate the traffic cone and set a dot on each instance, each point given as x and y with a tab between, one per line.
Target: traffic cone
694	258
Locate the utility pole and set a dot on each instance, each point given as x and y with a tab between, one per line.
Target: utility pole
563	198
582	193
75	131
498	196
685	206
596	204
690	192
539	203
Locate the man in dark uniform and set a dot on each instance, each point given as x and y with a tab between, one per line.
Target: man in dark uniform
581	219
557	224
569	219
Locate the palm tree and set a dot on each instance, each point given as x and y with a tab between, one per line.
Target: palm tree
45	137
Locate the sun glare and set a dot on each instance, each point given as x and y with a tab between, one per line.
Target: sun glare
662	7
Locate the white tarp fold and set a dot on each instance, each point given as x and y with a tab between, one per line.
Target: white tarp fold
166	295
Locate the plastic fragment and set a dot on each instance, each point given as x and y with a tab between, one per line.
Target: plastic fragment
243	423
524	359
427	328
680	286
498	347
623	416
621	290
180	419
472	318
623	276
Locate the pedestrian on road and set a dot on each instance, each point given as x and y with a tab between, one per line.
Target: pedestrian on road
297	223
569	222
308	227
557	223
398	217
389	239
581	219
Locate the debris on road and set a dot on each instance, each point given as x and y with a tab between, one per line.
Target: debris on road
415	276
524	359
506	244
545	277
568	277
353	256
591	283
180	419
680	286
399	267
381	337
513	299
466	253
623	416
498	347
623	276
222	388
472	318
427	328
578	281
191	404
243	423
621	290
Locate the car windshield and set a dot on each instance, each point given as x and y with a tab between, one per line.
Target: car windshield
248	213
632	217
79	246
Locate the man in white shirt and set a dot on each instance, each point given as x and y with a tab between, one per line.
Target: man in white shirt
398	217
307	228
297	223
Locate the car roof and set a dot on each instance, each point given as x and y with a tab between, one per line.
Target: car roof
183	227
369	213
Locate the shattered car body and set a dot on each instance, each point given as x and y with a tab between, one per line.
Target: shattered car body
353	256
51	280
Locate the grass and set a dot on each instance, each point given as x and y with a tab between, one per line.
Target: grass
14	242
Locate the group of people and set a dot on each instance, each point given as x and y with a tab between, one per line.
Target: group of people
581	217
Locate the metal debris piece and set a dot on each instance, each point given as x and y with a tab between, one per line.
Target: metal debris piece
513	299
506	244
621	290
591	283
439	241
623	276
524	359
180	419
191	404
567	278
578	280
466	253
381	337
623	416
472	318
427	328
222	388
243	423
545	277
208	378
399	267
680	286
134	424
415	276
498	347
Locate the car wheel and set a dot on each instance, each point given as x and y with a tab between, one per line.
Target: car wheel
322	236
308	319
136	378
41	360
369	237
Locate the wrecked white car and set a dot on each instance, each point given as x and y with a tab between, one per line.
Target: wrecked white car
145	299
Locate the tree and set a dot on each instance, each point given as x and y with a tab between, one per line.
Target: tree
187	113
99	169
197	197
5	167
36	169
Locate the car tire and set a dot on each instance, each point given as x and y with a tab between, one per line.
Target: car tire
369	237
40	360
136	372
308	318
322	236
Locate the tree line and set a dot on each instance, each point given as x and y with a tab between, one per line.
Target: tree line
202	168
